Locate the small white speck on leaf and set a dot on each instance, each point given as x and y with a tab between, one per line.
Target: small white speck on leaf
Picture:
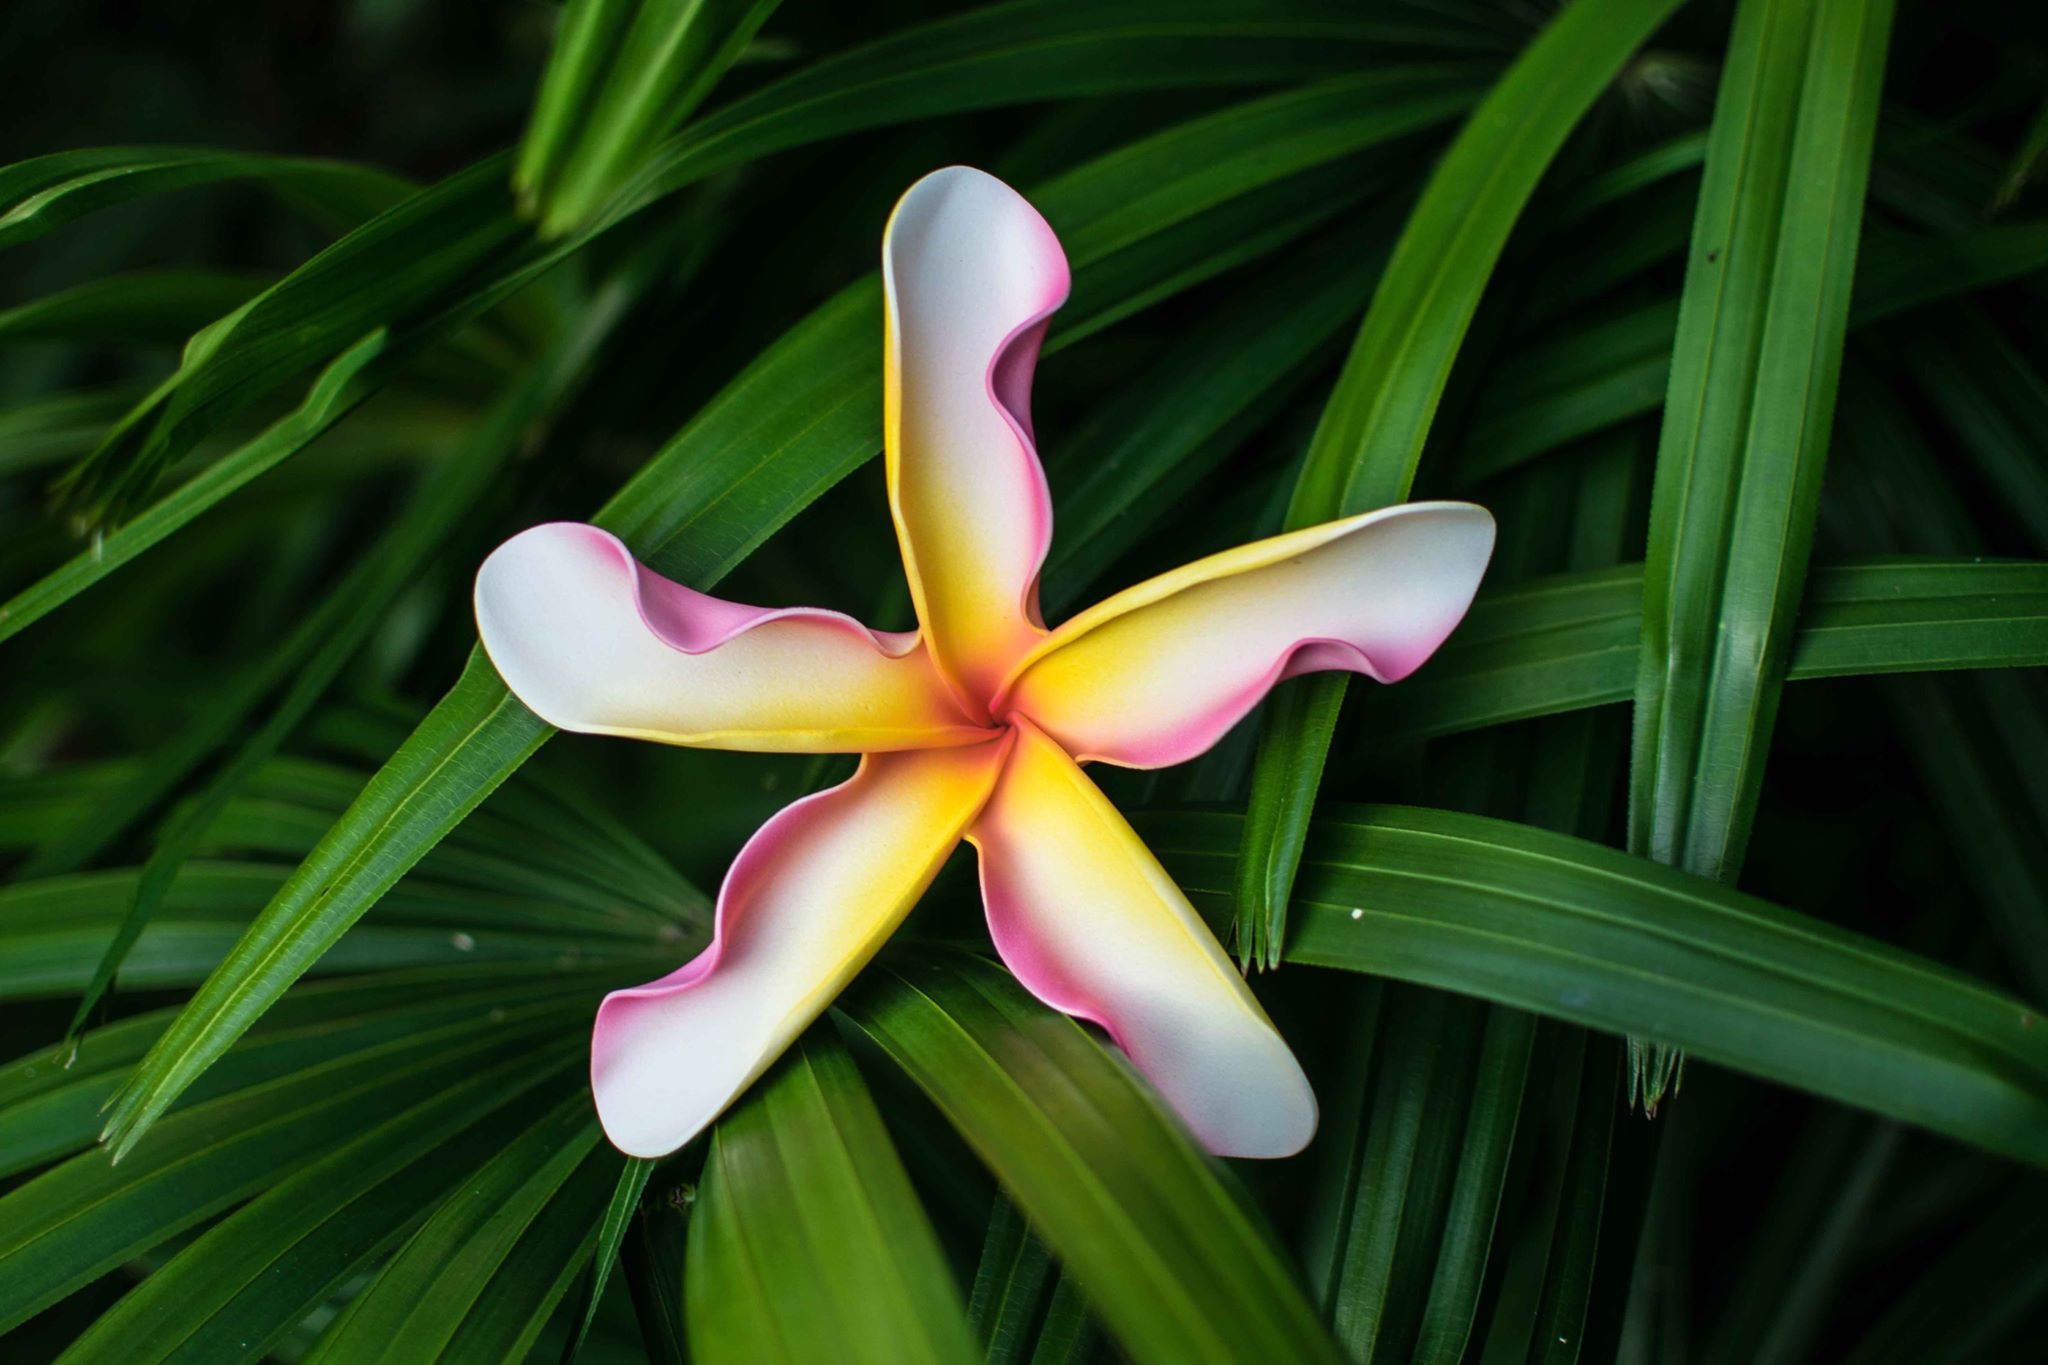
463	942
1357	913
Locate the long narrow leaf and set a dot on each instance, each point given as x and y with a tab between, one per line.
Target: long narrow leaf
1372	430
1177	1269
1566	928
808	1243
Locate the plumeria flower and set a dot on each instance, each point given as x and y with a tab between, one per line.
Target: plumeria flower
973	726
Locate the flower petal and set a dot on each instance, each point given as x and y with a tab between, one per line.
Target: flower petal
1092	925
972	273
595	642
1157	673
808	901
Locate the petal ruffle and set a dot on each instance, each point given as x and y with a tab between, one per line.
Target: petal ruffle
593	641
1157	673
971	273
808	901
1092	925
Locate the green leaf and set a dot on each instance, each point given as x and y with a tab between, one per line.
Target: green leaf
1834	1176
1562	927
586	41
252	1277
1069	1335
46	192
622	77
1540	1309
808	1242
1574	385
1568	641
1034	50
653	1255
2027	159
516	1306
82	1218
50	1099
1463	1240
1371	435
477	729
54	932
1753	377
143	308
448	253
1559	1323
618	1215
1392	1206
1993	402
1977	1302
442	254
1601	374
415	1304
805	414
351	378
1429	1132
1971	737
1177	1268
1009	1281
338	628
1896	272
45	431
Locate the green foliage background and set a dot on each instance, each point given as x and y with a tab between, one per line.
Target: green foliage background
1731	313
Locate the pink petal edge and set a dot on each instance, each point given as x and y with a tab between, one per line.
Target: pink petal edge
894	821
1006	382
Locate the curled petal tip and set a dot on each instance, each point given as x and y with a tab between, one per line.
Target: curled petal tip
1156	674
971	273
808	901
592	641
1276	1115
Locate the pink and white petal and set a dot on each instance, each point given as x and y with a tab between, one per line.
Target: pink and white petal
1092	925
593	641
808	901
971	273
1157	673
